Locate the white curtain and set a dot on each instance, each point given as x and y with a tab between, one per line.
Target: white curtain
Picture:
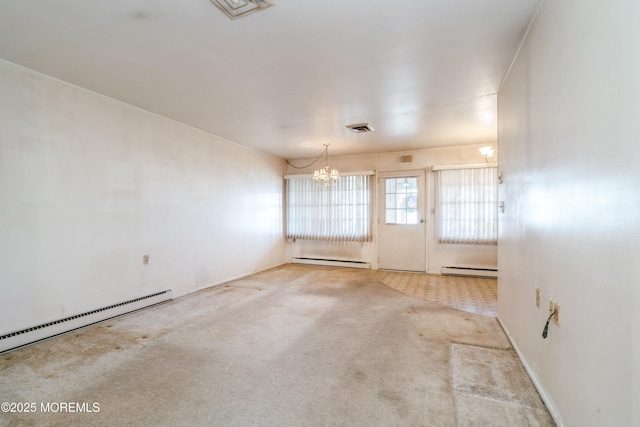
467	206
339	213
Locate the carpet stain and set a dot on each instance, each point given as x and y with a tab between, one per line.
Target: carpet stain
318	346
359	376
76	348
491	373
397	401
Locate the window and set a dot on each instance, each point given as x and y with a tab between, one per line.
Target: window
467	206
339	213
402	200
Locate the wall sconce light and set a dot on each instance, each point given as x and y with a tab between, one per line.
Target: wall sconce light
488	152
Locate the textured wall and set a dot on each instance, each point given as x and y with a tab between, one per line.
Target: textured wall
89	185
569	148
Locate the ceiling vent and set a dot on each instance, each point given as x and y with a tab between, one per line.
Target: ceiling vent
360	128
235	9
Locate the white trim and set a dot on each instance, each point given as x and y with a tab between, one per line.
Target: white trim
544	395
310	175
520	45
462	166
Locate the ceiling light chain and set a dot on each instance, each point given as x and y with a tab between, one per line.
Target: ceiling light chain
305	166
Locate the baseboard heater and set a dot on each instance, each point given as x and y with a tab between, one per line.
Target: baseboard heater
331	262
27	336
469	271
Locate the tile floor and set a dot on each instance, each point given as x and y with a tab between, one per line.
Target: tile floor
472	294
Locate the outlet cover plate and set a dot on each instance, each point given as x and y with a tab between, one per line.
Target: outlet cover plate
554	307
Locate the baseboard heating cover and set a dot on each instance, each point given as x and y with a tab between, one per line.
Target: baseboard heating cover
469	271
331	262
33	334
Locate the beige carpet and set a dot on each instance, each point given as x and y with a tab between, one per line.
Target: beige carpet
491	384
293	346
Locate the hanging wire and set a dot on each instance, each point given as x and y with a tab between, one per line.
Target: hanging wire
312	163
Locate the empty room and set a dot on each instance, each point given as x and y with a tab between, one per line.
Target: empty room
297	213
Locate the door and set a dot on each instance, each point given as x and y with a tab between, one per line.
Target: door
401	221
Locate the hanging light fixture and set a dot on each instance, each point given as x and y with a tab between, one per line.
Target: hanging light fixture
326	177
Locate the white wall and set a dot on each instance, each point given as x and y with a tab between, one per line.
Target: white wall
483	256
569	140
89	184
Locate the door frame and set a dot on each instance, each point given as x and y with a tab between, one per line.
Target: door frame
380	202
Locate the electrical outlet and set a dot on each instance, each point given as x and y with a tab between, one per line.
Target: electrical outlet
554	307
538	297
556	317
145	259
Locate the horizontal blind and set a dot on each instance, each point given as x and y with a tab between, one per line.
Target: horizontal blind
467	206
338	213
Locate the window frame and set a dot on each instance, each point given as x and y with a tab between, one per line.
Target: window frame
340	213
465	215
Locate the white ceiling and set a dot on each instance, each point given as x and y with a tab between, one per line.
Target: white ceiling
285	80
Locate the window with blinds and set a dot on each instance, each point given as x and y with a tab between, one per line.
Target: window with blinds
467	206
339	213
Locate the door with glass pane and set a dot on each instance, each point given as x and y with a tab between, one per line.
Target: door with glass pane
401	221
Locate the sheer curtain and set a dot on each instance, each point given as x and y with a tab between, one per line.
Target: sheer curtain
339	213
467	205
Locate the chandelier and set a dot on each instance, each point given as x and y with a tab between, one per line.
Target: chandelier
326	177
